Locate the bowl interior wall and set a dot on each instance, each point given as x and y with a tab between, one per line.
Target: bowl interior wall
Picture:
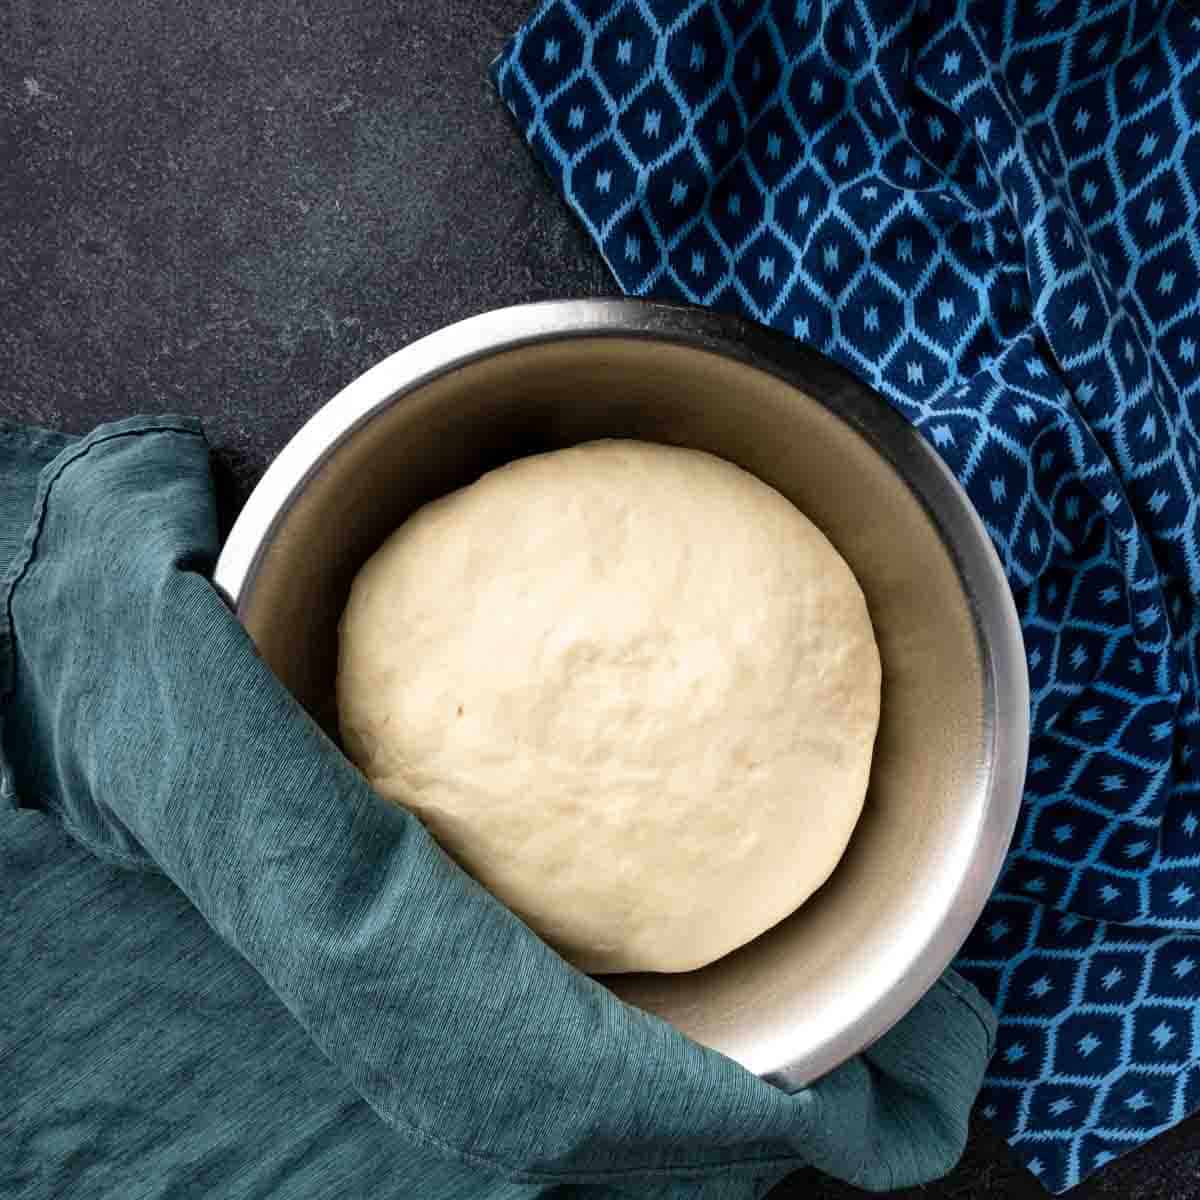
818	971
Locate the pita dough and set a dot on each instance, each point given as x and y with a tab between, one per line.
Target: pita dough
629	687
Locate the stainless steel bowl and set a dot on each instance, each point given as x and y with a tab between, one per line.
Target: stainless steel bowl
950	759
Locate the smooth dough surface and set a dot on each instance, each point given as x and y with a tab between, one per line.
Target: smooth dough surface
629	687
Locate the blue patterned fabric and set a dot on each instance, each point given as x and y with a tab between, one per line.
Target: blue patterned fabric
989	213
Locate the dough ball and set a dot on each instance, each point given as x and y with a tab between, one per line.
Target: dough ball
628	687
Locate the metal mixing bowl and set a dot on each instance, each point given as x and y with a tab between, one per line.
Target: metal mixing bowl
950	759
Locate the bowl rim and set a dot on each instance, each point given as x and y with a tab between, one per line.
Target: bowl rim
1006	699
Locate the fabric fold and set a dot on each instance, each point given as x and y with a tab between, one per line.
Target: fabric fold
137	713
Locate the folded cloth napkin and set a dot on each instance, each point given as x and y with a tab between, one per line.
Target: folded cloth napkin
137	714
988	212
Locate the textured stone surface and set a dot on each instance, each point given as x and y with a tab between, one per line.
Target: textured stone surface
233	209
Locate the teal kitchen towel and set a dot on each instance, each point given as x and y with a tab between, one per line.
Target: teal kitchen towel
138	718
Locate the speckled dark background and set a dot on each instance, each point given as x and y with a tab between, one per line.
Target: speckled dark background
233	208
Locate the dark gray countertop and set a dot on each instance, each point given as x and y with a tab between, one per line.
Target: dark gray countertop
232	209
